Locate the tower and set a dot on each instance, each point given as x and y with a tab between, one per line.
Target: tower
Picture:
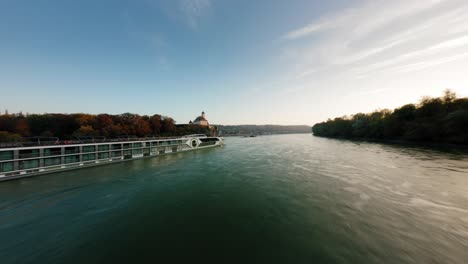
203	114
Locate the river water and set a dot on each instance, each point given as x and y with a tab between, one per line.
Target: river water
272	199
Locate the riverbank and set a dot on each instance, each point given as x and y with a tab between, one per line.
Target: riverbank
242	130
405	143
442	120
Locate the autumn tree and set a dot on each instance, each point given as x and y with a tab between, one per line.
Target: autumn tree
155	124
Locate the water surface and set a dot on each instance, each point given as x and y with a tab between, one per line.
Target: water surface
272	199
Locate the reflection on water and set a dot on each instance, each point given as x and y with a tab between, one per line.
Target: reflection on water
275	199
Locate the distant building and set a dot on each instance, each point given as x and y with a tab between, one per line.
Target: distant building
201	120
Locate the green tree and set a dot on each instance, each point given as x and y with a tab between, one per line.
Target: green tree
443	119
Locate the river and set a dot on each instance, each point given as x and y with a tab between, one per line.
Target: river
271	199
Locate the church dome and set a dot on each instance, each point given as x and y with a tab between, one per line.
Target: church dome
201	120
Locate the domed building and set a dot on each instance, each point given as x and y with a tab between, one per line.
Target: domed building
201	120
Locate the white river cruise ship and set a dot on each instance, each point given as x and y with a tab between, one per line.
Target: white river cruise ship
19	160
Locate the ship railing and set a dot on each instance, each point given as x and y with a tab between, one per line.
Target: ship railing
194	135
36	143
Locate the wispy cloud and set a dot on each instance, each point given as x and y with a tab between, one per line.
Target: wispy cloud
309	29
429	63
194	10
379	35
418	54
375	13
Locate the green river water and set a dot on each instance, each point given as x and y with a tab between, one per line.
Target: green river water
271	199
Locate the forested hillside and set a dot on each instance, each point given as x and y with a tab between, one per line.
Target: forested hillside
439	120
261	129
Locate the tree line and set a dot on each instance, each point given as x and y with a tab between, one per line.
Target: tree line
19	127
441	120
261	129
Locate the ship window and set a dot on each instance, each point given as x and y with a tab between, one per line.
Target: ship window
6	166
52	161
6	155
137	151
89	149
103	147
104	155
116	154
116	146
28	153
87	157
52	152
28	164
208	139
72	159
72	150
209	143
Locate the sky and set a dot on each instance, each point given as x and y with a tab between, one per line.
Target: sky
242	62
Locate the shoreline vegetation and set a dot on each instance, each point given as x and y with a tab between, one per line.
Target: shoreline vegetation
22	128
246	130
19	127
439	120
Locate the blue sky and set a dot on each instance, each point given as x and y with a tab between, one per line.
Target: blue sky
243	62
